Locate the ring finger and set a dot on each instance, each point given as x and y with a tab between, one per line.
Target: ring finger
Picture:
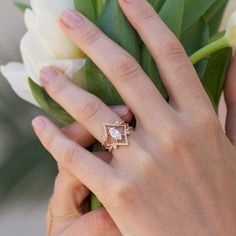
79	134
90	111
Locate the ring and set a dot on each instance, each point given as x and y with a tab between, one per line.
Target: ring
116	135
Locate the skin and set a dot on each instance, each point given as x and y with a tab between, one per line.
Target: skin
178	174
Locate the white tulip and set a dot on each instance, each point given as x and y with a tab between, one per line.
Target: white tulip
230	8
45	44
231	30
17	78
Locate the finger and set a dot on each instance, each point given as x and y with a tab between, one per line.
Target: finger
230	97
94	223
92	172
67	203
120	67
89	111
79	134
177	72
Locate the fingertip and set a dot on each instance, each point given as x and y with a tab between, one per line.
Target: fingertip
71	19
124	112
38	124
47	75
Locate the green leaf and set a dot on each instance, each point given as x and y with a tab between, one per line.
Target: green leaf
194	38
115	25
215	75
214	15
194	9
86	7
99	6
22	6
219	5
49	105
151	70
157	4
172	13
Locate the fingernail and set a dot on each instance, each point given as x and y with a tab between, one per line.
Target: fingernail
47	75
38	124
72	19
131	1
121	110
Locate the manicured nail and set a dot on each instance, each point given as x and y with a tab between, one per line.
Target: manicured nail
38	124
121	110
72	19
131	1
47	75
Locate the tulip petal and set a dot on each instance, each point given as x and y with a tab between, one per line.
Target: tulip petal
231	7
36	54
29	18
71	68
47	27
17	77
34	51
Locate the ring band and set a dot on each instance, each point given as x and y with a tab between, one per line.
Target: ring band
58	218
116	135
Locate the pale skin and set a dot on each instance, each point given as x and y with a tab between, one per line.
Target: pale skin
178	174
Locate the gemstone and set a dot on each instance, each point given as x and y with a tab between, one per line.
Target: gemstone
115	134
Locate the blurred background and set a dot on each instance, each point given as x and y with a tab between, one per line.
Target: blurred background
26	170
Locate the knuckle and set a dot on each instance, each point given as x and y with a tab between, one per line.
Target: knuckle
124	193
69	154
174	140
91	109
208	122
60	86
91	36
126	67
49	140
147	16
148	163
172	49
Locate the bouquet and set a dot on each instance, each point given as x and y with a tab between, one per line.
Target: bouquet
195	22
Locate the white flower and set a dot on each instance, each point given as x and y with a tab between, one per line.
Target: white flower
231	30
230	8
45	44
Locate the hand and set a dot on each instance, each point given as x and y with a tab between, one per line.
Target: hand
178	174
68	208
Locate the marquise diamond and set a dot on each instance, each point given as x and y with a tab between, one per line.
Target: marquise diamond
115	134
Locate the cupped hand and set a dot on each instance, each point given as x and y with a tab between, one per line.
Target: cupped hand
178	174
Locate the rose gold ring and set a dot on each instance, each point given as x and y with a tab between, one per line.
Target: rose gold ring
116	135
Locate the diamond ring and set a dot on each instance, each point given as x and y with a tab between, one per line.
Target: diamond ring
116	135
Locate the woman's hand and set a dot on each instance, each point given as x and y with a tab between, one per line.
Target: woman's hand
178	174
68	207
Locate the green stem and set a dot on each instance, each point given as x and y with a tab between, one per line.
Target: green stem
95	203
209	49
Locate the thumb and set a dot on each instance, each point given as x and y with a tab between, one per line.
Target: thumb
230	98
